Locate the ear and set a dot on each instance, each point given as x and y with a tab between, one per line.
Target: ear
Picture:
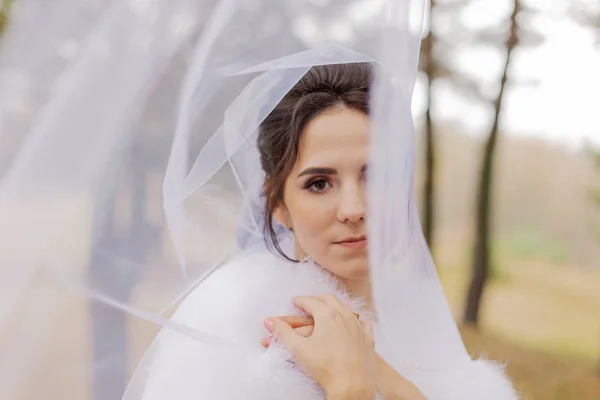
282	216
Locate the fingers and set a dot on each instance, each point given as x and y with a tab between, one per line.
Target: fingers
289	328
304	331
333	301
314	307
323	306
283	333
302	325
297	321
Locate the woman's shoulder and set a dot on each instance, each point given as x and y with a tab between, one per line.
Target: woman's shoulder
245	274
230	305
244	291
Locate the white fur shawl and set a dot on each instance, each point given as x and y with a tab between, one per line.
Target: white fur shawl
232	304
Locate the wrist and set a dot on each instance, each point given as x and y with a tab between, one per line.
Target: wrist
350	388
392	385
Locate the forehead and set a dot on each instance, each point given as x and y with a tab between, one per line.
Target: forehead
334	135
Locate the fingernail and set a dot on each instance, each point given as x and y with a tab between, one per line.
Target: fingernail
270	325
265	342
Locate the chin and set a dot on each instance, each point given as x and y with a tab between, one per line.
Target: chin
351	269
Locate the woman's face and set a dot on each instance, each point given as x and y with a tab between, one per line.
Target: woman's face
324	195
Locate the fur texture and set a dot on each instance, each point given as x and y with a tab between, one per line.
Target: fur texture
232	304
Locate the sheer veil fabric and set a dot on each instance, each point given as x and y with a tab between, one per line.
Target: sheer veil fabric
129	172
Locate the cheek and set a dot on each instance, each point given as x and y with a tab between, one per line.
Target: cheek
313	217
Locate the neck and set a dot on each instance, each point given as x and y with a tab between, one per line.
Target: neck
359	288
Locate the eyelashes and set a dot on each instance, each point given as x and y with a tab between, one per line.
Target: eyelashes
320	184
317	185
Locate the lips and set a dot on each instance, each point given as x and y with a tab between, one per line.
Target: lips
353	240
359	241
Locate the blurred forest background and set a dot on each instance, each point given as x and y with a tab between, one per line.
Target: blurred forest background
512	217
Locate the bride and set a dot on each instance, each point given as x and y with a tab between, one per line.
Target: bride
305	293
324	288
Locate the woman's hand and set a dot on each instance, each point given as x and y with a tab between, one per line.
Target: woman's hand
389	383
302	325
339	352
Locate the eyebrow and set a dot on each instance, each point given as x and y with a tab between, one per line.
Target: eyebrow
323	171
318	171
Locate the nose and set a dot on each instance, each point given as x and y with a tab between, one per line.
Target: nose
352	205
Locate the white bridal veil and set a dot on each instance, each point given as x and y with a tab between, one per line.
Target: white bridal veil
129	171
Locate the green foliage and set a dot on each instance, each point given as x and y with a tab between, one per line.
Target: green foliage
531	244
526	244
498	273
3	21
595	193
4	11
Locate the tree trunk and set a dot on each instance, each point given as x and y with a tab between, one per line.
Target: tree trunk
481	257
429	190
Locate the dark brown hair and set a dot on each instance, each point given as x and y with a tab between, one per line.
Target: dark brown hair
322	88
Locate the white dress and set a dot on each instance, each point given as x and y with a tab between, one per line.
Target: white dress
233	303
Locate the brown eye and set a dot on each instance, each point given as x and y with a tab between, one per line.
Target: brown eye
318	185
